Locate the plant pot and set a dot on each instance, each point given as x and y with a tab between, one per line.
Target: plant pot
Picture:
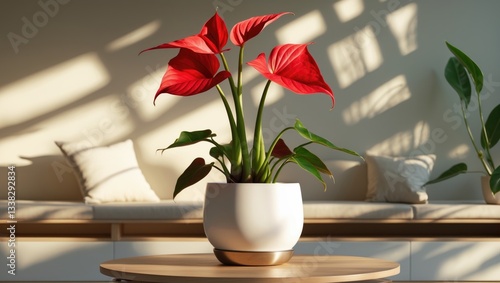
253	224
488	195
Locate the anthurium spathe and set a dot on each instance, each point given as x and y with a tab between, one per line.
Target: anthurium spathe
190	73
247	29
293	67
196	69
211	39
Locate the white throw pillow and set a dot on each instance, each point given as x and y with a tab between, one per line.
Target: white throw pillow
398	179
108	173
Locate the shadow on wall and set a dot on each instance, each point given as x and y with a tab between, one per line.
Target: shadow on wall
46	178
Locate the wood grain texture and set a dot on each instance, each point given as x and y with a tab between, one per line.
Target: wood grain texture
194	268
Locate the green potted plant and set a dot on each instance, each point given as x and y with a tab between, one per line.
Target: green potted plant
459	72
247	199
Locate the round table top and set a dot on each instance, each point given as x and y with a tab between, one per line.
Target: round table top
206	268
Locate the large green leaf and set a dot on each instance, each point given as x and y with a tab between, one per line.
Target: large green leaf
455	170
492	126
474	71
299	127
188	138
456	76
311	163
196	171
495	181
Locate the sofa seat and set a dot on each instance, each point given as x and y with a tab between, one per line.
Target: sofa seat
163	210
174	210
448	210
47	210
28	210
359	210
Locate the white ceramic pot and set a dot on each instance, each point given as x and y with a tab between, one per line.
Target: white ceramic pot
488	195
250	217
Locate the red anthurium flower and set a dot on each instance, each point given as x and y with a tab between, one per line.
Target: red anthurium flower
281	150
293	67
190	73
245	30
211	39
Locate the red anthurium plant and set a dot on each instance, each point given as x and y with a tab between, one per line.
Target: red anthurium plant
195	70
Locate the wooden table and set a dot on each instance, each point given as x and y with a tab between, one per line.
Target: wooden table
206	268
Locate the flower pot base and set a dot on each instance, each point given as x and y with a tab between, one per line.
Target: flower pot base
253	258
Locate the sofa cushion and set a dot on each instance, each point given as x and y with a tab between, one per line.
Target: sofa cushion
42	210
356	210
398	179
163	210
108	173
457	210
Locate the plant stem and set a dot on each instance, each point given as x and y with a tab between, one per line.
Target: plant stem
232	123
279	170
483	130
259	151
479	153
235	158
240	165
240	123
276	139
226	67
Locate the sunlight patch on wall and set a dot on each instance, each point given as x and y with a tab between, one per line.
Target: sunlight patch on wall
303	29
134	36
459	152
413	142
394	145
274	93
139	95
347	10
403	25
51	89
421	134
98	123
249	73
354	56
385	97
470	261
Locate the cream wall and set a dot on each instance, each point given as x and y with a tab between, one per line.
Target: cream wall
70	71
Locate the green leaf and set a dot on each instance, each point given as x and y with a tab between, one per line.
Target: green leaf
188	138
299	127
315	160
305	164
495	181
471	66
311	163
221	150
196	171
456	76
492	126
455	170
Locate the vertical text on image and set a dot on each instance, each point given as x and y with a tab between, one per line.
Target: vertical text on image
11	211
